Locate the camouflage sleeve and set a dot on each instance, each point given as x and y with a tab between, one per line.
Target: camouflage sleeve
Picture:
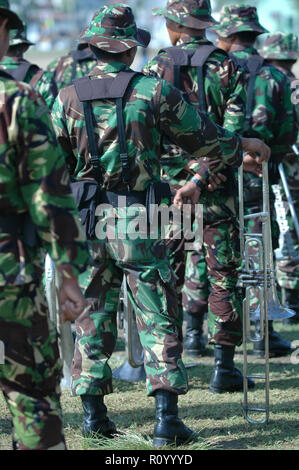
233	89
47	87
273	118
44	184
62	134
196	134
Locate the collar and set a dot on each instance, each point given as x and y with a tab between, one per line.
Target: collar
112	68
189	40
7	60
242	51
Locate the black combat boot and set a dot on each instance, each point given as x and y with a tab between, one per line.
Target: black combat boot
277	346
169	429
292	302
194	343
96	421
226	377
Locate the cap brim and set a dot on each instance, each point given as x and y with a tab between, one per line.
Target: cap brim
225	32
117	45
191	21
23	41
14	21
280	56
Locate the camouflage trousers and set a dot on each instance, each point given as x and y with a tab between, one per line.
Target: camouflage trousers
207	279
31	373
211	278
288	270
150	283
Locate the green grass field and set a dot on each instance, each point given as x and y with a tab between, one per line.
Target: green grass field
217	418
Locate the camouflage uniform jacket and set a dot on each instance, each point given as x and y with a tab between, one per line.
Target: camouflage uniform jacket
34	179
153	108
224	91
63	69
272	114
43	84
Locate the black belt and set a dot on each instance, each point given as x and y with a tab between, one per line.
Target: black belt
20	225
12	224
132	197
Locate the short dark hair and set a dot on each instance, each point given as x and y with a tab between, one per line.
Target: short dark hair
247	37
105	56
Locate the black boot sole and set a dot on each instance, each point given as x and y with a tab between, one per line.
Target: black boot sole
165	441
237	388
282	353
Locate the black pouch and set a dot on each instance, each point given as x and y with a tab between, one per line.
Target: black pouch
86	195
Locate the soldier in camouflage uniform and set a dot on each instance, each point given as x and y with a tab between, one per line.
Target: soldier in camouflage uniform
22	70
76	64
282	51
211	275
37	214
271	118
151	108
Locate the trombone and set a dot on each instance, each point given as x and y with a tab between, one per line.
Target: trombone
132	370
258	279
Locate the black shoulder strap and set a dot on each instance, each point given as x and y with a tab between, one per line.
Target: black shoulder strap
21	71
184	57
252	65
6	75
180	58
89	90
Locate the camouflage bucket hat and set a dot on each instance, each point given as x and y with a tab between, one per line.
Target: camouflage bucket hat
13	19
17	36
281	46
237	19
113	29
194	14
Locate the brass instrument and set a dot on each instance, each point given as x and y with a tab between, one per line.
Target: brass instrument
133	368
258	278
66	340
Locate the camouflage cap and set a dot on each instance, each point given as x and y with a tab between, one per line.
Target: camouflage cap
13	19
195	14
281	46
113	29
237	19
18	36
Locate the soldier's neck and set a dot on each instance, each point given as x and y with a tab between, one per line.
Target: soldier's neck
238	46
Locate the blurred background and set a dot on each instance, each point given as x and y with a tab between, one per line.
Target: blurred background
54	25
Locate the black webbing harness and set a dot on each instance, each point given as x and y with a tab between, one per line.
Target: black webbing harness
78	57
89	90
21	71
252	65
190	58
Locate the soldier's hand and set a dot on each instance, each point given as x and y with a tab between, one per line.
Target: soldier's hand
71	301
257	149
251	165
189	191
215	181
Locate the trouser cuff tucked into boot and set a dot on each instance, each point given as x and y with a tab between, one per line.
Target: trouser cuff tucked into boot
96	421
169	429
226	377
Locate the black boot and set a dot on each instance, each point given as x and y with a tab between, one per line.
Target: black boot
277	346
226	377
194	343
292	302
169	429
96	421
